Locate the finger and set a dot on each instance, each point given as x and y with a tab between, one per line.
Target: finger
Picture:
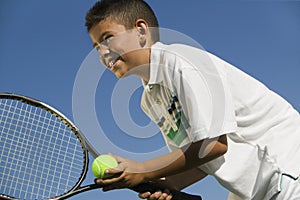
163	196
155	195
108	181
144	195
167	191
97	181
167	194
114	171
169	197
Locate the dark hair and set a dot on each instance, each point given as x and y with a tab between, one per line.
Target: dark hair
124	12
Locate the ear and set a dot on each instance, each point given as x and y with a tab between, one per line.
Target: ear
143	32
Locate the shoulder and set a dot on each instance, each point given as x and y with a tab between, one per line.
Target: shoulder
185	55
175	49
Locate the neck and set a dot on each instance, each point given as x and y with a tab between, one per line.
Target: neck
142	71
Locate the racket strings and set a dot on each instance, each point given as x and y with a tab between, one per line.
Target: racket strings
40	156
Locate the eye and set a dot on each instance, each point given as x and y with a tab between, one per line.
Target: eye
103	43
106	40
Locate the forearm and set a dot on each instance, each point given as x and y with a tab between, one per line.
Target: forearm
182	160
130	173
185	179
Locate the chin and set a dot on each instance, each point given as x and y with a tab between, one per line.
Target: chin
121	74
118	75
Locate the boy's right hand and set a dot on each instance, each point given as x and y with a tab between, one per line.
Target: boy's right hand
156	196
160	195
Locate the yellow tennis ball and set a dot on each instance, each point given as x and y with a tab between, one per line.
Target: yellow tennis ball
102	163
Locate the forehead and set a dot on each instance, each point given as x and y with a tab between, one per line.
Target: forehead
105	27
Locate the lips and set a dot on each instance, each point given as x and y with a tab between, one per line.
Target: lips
112	62
110	59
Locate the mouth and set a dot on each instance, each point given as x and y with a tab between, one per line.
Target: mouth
112	63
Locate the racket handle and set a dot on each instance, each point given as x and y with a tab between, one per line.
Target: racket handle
154	187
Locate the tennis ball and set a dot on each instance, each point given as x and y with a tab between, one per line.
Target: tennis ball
102	163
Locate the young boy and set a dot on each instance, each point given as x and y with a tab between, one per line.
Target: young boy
215	119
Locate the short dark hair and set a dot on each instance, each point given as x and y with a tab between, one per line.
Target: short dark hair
124	12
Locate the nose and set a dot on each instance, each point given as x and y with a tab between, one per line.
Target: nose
103	51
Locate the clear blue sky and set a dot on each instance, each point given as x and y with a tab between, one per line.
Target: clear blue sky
43	44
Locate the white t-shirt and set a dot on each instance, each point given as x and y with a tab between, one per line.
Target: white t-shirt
193	95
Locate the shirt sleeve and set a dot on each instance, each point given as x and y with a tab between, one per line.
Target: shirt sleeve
205	97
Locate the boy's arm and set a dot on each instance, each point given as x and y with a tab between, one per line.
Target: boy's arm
187	158
130	173
177	182
184	179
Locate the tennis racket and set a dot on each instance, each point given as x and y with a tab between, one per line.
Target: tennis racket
44	155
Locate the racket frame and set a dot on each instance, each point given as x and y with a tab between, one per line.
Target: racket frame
86	148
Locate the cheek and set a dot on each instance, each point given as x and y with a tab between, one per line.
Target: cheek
126	45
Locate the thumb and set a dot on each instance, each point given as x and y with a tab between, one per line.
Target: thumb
113	171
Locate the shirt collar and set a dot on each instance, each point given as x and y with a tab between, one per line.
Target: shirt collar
155	62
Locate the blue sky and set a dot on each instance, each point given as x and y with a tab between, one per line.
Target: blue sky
44	43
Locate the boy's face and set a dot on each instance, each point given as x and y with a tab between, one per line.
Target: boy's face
120	50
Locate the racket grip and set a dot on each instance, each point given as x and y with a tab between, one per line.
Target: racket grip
154	187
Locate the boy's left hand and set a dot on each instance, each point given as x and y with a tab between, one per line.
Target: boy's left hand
128	174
